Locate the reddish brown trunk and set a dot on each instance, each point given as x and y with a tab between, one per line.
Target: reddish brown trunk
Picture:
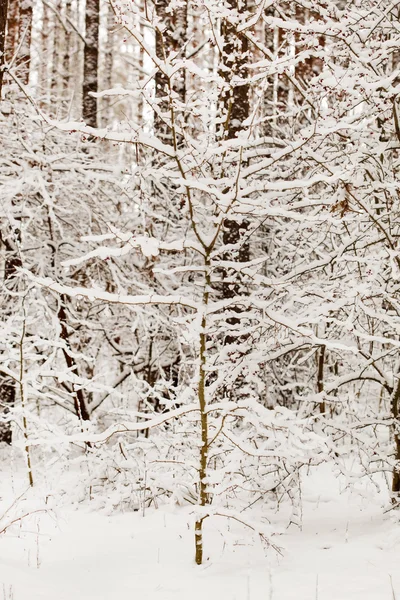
12	29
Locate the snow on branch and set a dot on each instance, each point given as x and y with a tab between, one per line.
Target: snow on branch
100	295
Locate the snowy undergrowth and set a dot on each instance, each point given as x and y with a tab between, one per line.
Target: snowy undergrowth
69	546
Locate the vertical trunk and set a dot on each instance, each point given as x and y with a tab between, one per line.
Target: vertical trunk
8	391
320	376
269	95
80	404
67	50
234	60
203	496
140	104
45	55
236	106
169	44
91	62
12	28
79	395
396	430
7	401
108	63
3	27
24	38
55	69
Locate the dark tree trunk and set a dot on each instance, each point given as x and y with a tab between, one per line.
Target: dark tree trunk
12	28
80	405
91	62
269	95
66	62
320	376
7	401
396	431
236	108
55	63
79	395
170	42
3	27
235	97
8	392
24	37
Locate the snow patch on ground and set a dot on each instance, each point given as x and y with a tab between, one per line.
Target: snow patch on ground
348	549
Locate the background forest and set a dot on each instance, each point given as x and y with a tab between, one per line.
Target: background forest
199	255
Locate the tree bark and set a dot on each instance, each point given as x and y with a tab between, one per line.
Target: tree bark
8	390
44	67
66	62
56	60
236	107
91	62
320	376
3	27
108	64
12	28
24	38
396	430
169	43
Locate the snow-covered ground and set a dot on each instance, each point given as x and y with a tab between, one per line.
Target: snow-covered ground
348	549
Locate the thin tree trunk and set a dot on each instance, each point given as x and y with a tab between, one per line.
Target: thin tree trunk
81	408
320	376
79	396
395	414
140	103
8	391
91	62
56	62
44	63
201	392
24	38
236	107
108	63
66	61
3	27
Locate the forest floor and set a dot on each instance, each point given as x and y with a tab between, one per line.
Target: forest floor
348	549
